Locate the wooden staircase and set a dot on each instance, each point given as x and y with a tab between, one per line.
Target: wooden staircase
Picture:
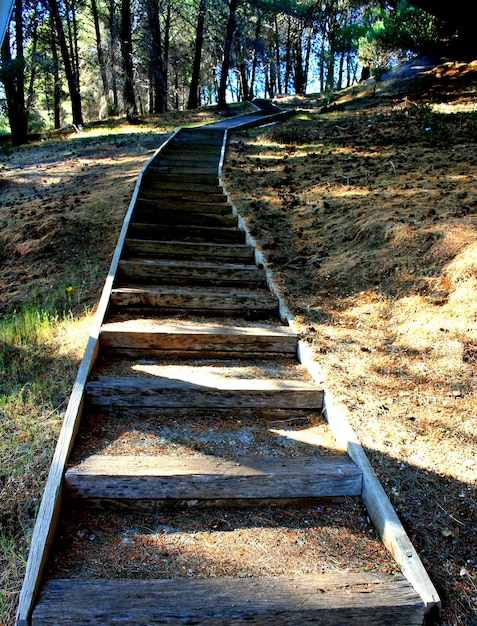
191	332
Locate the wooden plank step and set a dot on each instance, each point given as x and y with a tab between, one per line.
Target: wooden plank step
191	233
219	301
149	182
195	273
153	203
186	160
186	170
193	149
238	253
149	392
171	216
156	191
332	599
138	337
129	477
192	178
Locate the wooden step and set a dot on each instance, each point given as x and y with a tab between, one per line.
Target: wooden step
191	160
193	273
136	338
149	392
238	253
177	187
157	191
211	478
191	233
219	301
187	178
156	213
188	169
153	203
332	599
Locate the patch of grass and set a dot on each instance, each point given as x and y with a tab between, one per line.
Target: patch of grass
37	368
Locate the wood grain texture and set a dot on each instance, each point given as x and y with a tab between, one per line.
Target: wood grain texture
209	478
191	273
160	214
142	392
380	509
326	600
238	253
195	338
193	178
219	301
166	232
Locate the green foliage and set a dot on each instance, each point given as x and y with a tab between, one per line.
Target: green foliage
405	27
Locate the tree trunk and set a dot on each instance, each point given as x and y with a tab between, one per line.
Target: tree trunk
256	43
244	94
34	42
13	78
113	38
277	56
99	48
194	99
231	26
56	78
72	77
129	94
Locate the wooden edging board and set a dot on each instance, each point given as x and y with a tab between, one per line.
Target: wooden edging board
380	510
48	513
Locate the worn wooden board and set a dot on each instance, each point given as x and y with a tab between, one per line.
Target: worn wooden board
208	478
166	232
176	272
220	300
324	599
142	392
150	200
188	177
189	193
151	185
139	338
380	509
200	251
183	216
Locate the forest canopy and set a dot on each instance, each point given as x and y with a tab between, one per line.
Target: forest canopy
76	61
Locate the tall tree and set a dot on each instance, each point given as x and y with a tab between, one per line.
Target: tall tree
70	67
194	99
129	93
227	56
12	74
99	49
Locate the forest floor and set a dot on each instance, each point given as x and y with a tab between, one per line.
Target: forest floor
367	213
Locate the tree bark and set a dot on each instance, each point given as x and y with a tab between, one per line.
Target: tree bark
256	44
72	77
56	78
277	56
226	62
194	99
99	49
129	93
13	78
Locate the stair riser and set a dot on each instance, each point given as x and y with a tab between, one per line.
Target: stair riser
99	396
208	304
199	252
195	234
154	275
161	215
